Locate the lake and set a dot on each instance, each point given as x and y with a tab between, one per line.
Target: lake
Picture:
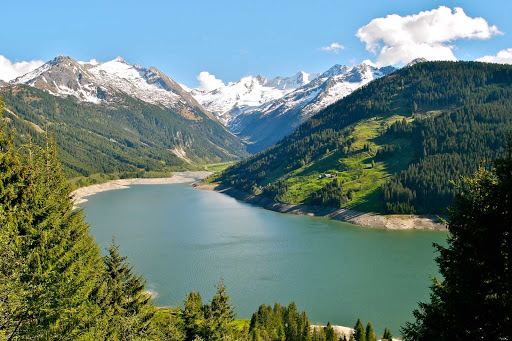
182	239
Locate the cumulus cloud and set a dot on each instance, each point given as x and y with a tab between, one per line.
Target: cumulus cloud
503	57
208	82
334	48
396	39
9	70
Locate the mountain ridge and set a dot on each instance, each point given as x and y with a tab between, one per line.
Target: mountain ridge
392	146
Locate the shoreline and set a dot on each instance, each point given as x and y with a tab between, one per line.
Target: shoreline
79	194
389	222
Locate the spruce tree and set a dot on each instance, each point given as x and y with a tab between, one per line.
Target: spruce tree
126	301
387	335
220	315
370	335
359	333
330	335
305	327
474	299
193	316
57	262
292	319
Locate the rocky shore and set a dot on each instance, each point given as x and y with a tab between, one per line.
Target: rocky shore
391	222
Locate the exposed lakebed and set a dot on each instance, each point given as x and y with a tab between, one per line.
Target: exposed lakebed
182	239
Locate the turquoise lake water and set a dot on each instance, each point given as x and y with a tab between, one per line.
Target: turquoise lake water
183	239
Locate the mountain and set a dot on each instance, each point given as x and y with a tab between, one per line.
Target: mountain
392	146
228	101
265	125
114	117
97	82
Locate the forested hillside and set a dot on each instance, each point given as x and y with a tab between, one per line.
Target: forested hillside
54	285
392	146
129	137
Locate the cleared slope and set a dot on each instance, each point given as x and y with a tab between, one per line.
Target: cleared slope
393	145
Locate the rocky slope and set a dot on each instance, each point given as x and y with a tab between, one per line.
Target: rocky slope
265	125
96	82
114	117
233	99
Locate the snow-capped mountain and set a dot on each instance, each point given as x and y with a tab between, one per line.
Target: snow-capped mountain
97	82
265	125
231	100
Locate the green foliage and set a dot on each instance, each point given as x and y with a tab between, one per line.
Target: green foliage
125	302
198	321
387	335
473	302
370	335
53	266
132	138
359	332
376	144
280	323
53	283
219	316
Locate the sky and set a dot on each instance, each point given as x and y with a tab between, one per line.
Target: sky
224	40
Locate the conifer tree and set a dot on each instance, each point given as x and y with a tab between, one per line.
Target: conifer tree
359	333
292	318
193	316
220	315
59	263
127	302
474	299
387	335
370	335
330	335
305	327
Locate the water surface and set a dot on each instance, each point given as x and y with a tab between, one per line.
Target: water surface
183	239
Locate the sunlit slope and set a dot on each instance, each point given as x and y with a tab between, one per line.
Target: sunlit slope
393	146
129	137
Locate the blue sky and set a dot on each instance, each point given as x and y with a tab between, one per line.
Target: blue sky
231	39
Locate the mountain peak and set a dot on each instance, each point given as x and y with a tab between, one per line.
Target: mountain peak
416	61
119	59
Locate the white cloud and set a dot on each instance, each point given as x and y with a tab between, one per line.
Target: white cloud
503	57
9	70
208	81
398	39
334	47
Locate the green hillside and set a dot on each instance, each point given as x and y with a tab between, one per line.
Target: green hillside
393	146
128	138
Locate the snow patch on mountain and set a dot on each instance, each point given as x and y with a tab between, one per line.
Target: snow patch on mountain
96	82
133	80
228	101
264	125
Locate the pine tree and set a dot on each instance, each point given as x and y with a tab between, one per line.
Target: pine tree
126	301
330	335
359	333
370	335
292	318
305	327
220	315
170	325
193	316
474	300
387	335
59	263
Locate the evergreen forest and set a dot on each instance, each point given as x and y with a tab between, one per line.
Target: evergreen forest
393	146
